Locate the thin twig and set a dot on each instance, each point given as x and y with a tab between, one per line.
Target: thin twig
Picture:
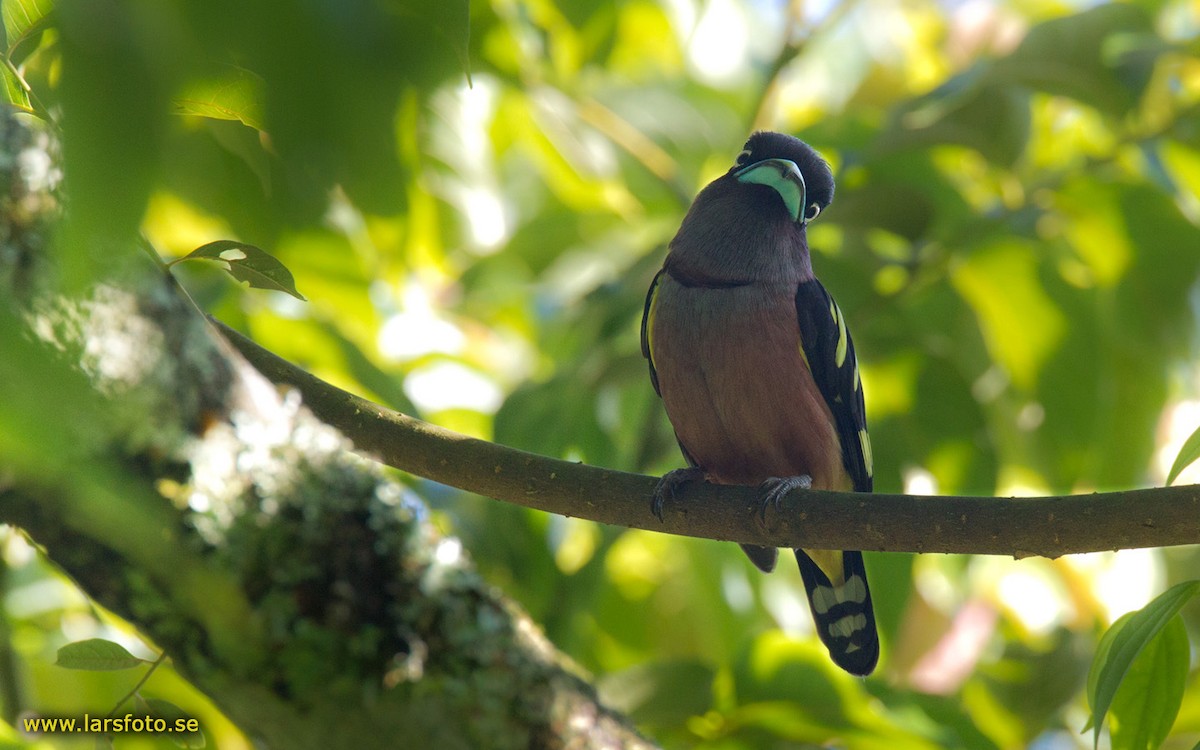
153	666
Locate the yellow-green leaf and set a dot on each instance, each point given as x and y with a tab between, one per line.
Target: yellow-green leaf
14	93
248	263
1021	324
23	20
238	94
1122	644
96	654
1146	704
1187	455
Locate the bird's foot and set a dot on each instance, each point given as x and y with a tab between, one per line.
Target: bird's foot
669	484
772	491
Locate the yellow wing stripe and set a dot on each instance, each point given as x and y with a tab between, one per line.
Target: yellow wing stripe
868	460
839	354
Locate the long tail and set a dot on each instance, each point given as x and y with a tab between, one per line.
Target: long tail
836	583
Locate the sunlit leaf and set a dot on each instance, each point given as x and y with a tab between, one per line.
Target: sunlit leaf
14	93
1187	455
248	263
1095	227
237	95
1145	706
1123	642
788	688
779	667
24	20
1021	323
96	654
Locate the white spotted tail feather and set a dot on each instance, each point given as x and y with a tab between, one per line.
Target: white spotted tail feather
841	609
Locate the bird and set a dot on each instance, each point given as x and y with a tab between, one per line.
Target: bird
757	371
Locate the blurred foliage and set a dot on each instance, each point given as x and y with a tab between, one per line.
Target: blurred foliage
474	199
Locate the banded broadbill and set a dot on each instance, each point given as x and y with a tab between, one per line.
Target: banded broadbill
756	367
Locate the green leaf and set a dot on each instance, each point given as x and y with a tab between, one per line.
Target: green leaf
447	23
777	667
114	91
248	263
550	418
1145	706
969	111
15	93
1122	644
236	95
1187	455
246	144
24	20
97	655
1100	57
1021	323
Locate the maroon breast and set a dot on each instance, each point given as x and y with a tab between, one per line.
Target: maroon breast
736	387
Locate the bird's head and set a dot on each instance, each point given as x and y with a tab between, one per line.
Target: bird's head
749	223
791	169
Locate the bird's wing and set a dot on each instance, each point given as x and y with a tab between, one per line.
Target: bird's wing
647	322
829	351
836	582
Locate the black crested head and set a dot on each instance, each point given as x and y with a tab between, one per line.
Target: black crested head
818	178
749	224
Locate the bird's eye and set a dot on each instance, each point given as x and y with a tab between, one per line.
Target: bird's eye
742	157
813	212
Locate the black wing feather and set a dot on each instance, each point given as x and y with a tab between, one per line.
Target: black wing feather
821	328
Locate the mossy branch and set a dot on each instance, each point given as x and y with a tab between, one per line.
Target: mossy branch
1020	527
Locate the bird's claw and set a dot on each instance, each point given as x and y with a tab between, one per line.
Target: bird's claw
773	490
669	484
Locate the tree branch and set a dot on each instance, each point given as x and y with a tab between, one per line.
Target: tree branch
293	582
289	579
1021	527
